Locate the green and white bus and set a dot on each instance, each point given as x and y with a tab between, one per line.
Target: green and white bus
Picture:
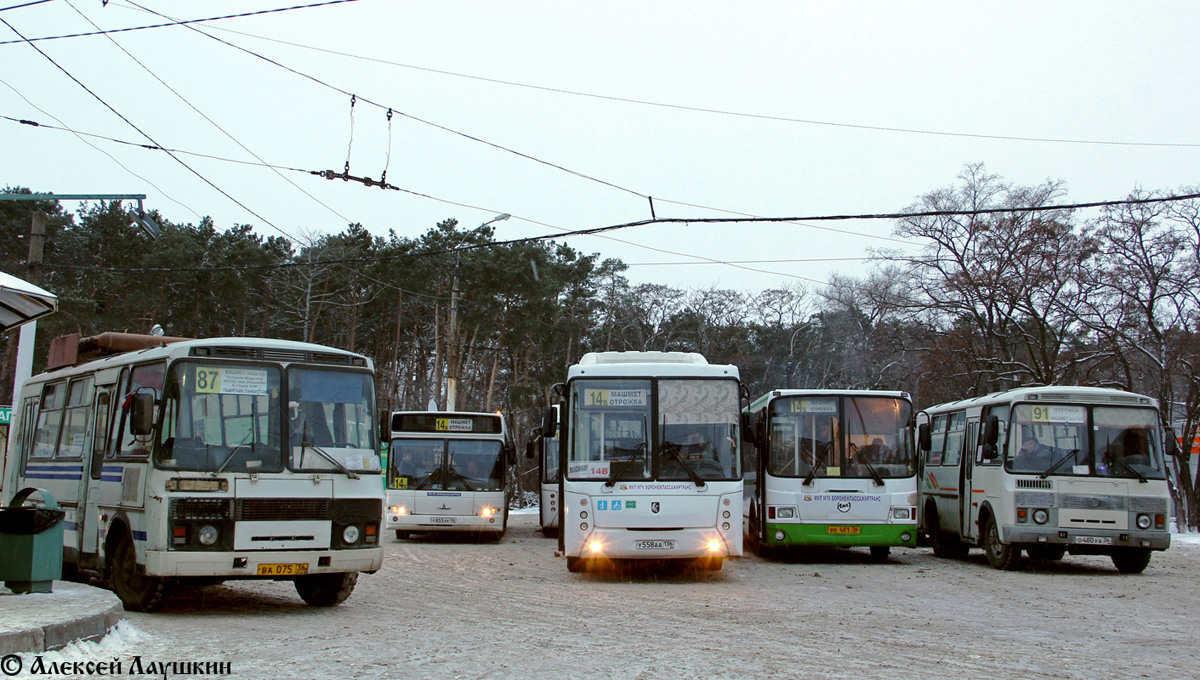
1048	471
831	468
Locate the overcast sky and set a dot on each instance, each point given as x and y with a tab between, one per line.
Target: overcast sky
567	115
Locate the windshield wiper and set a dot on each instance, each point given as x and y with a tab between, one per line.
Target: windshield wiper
1127	466
816	464
305	444
870	468
672	450
1058	463
221	467
616	469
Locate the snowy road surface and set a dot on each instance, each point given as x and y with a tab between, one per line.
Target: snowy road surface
451	608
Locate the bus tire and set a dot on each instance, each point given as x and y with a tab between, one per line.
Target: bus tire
943	542
576	564
1131	560
137	591
326	590
402	535
1002	556
880	553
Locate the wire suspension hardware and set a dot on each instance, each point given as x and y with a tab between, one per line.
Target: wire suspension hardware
350	145
388	163
347	177
652	215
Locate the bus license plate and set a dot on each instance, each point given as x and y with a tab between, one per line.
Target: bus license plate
654	545
282	569
843	530
443	520
1094	540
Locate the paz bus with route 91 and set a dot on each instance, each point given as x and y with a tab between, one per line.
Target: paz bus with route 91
650	456
831	468
1048	471
198	461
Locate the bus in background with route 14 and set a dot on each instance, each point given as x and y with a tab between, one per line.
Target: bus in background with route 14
650	459
448	471
1047	470
199	461
831	468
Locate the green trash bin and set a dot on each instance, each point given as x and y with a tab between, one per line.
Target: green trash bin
31	543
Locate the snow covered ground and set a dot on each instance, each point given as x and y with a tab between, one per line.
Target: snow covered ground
453	608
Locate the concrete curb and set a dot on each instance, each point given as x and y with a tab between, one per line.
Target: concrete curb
43	622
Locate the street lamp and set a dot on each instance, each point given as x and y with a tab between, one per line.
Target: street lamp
452	359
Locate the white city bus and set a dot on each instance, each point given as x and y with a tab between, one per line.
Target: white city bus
832	468
206	460
1047	470
448	471
651	459
545	450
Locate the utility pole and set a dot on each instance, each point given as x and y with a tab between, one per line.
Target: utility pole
37	241
452	353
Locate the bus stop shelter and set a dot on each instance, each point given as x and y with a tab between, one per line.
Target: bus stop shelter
22	302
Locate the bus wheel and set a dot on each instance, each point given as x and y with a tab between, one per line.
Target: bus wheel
1046	553
326	590
1132	560
944	543
138	592
880	553
402	535
575	564
1000	555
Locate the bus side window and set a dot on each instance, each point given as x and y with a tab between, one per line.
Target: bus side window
937	428
1001	413
25	437
100	433
75	419
954	438
145	376
49	421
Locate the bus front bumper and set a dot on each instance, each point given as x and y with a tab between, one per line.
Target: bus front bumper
1087	541
657	545
445	522
791	534
244	564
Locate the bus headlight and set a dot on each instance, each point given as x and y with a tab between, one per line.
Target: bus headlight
901	513
596	547
1144	521
398	510
487	512
1040	516
786	513
714	546
350	535
207	535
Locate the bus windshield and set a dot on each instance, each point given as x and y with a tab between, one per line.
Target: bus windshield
831	436
331	421
454	465
615	439
1054	439
221	417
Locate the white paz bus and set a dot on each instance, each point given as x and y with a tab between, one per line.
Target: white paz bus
832	468
651	465
449	472
206	460
1047	471
545	450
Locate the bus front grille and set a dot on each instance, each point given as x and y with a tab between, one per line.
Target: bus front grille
280	509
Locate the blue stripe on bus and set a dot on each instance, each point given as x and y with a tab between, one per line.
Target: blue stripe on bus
65	468
71	526
139	535
76	476
106	478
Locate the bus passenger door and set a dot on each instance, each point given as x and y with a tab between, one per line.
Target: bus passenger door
966	498
89	518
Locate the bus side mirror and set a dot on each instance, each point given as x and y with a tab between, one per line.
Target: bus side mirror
1172	442
748	427
991	431
531	446
924	438
385	426
142	420
549	422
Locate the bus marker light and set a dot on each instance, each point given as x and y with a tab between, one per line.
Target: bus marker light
178	534
725	514
583	526
725	526
583	514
